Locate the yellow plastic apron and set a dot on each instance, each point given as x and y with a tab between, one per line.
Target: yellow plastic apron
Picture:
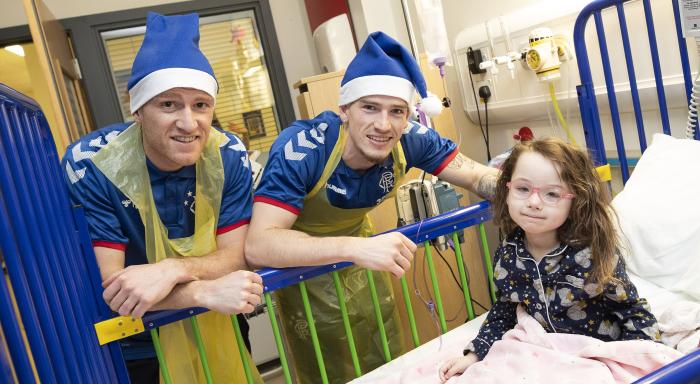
320	218
123	162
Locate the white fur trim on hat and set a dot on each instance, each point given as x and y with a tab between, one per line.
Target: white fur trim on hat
376	85
163	79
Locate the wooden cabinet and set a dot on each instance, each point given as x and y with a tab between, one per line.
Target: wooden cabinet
320	93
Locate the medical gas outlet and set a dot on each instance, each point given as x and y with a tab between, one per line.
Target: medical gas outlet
543	55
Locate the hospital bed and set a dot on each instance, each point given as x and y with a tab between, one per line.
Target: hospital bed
50	333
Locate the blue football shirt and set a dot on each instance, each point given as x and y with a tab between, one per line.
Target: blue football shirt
300	153
113	220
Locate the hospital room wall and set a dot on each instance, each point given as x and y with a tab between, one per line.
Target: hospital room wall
460	15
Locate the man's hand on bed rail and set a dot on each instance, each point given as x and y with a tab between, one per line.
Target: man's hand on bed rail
391	252
456	366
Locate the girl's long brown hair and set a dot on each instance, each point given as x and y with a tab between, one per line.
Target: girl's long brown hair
590	222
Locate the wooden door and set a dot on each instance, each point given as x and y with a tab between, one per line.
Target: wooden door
62	72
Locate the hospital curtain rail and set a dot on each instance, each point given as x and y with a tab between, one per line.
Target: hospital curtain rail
54	282
273	279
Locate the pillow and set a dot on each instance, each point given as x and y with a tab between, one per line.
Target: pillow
659	212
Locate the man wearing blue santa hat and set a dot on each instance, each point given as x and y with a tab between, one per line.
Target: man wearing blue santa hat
168	199
322	178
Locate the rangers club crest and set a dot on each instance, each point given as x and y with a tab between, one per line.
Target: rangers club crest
386	182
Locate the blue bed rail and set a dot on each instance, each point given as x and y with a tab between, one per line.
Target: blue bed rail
685	370
50	263
590	115
428	229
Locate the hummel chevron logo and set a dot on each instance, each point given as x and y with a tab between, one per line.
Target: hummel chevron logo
289	153
318	132
97	142
303	141
238	146
79	154
73	175
422	130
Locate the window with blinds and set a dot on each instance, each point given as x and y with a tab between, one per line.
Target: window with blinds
245	104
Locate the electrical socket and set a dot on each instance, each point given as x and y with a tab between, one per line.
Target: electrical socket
474	58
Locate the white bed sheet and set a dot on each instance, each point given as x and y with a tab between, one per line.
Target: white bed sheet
659	300
658	297
429	350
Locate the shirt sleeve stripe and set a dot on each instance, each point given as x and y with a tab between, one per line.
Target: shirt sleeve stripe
277	203
445	162
233	226
109	244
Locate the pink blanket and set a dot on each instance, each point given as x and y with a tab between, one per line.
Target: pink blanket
528	354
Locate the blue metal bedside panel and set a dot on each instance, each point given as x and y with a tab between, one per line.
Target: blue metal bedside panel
30	295
49	256
685	370
25	217
52	221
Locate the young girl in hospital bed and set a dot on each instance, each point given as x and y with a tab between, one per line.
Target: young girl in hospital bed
559	262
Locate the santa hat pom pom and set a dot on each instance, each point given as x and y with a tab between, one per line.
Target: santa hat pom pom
431	105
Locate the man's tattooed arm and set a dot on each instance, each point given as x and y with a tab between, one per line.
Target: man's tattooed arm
459	161
474	176
486	187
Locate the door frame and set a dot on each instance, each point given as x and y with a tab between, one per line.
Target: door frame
15	35
94	64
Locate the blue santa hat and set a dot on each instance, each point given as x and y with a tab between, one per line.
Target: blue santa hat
169	57
384	67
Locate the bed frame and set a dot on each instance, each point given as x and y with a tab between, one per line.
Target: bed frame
56	295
